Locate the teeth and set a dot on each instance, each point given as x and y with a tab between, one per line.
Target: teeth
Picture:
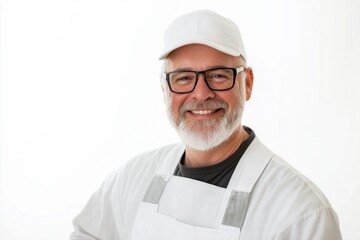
201	112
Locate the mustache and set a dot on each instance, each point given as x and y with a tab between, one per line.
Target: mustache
207	104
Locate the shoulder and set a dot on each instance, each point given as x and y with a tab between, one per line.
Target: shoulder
282	176
305	211
153	159
287	189
286	201
148	161
120	194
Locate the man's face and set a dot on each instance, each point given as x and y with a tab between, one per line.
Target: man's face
205	118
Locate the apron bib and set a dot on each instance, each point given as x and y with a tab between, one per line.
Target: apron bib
182	208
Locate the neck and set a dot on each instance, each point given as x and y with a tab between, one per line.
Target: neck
196	158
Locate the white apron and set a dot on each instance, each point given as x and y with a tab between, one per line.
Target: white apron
181	208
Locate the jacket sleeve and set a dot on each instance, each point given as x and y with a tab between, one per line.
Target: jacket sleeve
96	221
111	211
320	224
81	234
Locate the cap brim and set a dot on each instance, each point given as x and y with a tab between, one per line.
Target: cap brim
218	46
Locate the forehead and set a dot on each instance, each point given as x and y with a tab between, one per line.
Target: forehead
200	57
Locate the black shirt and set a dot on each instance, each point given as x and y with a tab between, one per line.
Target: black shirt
220	173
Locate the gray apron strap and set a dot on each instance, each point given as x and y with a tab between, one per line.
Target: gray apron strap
236	209
245	176
165	171
153	193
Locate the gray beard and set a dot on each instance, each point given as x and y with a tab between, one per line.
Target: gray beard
204	135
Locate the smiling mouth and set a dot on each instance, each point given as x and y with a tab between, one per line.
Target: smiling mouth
203	112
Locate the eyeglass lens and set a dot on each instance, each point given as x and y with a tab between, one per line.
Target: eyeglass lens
217	79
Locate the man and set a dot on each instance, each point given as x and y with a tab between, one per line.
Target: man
222	182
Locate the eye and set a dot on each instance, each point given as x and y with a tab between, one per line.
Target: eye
219	75
182	77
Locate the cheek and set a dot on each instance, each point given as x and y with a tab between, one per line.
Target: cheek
232	98
175	101
239	91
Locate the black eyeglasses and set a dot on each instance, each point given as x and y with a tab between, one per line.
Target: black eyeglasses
217	79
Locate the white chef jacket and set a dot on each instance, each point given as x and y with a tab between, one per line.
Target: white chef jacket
283	203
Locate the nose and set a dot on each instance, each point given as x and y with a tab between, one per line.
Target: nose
202	91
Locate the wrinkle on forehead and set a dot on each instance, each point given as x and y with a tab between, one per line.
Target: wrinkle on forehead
199	57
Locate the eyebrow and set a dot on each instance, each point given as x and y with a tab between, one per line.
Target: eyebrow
192	69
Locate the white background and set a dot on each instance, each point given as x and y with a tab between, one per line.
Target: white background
80	95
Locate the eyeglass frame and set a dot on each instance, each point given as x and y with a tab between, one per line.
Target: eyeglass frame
236	71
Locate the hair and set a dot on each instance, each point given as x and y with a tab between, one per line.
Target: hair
164	68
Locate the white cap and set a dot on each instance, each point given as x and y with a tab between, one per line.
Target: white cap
204	27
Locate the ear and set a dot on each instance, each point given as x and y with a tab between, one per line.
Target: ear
249	82
162	88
